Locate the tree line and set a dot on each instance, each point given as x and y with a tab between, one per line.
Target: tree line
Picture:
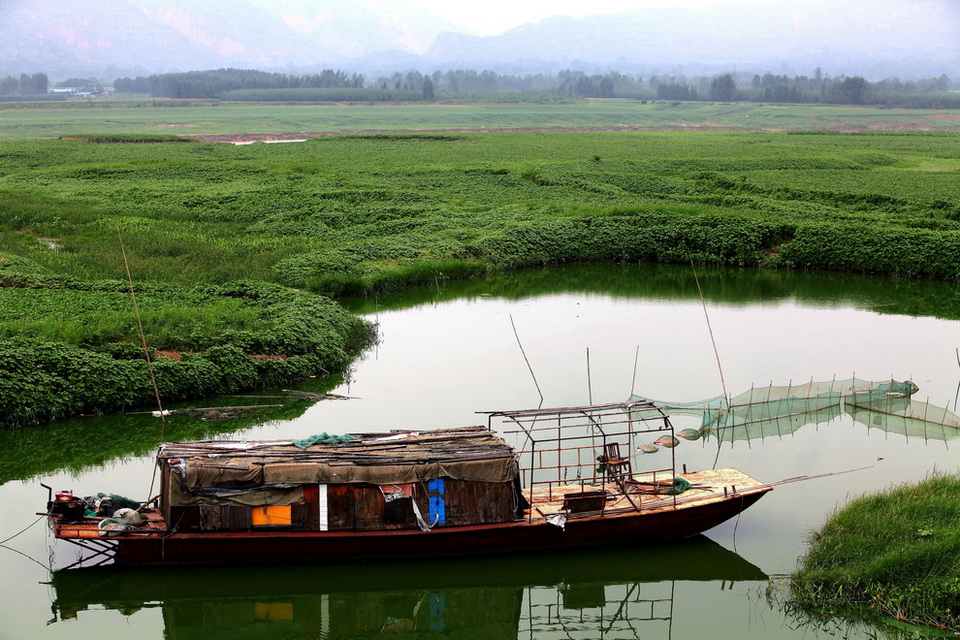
237	84
211	84
413	85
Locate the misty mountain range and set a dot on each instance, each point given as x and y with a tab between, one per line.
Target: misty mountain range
111	38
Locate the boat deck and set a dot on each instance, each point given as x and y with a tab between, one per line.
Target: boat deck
644	493
155	525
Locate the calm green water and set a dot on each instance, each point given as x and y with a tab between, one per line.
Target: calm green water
450	351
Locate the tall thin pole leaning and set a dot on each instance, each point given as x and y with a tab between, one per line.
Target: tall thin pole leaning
143	337
716	353
527	360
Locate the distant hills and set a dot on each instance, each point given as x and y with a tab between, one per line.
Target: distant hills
110	38
107	38
869	37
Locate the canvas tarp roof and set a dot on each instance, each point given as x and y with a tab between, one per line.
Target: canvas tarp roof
471	453
178	496
243	474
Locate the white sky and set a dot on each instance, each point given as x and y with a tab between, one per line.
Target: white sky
493	17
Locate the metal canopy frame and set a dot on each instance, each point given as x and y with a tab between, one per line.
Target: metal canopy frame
569	445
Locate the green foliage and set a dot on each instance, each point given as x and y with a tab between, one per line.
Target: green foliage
69	347
866	248
369	213
211	84
896	553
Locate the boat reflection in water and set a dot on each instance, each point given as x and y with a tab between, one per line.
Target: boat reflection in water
621	593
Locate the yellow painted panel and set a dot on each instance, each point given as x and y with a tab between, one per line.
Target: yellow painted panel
271	516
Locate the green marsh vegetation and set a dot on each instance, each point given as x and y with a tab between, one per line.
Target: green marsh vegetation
359	214
896	554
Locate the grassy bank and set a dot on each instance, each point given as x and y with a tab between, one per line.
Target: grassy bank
70	347
896	554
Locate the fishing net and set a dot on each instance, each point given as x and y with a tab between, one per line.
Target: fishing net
781	410
906	416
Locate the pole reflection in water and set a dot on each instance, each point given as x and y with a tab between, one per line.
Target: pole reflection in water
614	593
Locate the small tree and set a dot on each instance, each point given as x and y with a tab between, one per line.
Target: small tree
9	86
723	88
428	89
855	90
40	83
26	87
606	87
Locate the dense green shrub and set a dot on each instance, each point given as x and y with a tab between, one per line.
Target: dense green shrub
916	253
83	359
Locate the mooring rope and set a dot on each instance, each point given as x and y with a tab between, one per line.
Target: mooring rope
3	543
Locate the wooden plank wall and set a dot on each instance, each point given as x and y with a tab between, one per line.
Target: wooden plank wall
361	507
357	507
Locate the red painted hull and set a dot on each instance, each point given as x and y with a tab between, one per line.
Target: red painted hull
630	528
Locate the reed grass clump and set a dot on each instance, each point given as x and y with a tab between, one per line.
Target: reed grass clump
894	554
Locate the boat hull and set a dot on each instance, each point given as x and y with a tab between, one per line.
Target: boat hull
523	536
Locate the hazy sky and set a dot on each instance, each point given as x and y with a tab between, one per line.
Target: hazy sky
493	17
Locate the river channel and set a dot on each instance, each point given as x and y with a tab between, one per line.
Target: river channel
588	333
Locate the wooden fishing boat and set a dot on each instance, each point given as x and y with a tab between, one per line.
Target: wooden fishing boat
570	483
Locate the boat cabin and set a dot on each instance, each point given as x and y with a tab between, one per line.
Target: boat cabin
360	482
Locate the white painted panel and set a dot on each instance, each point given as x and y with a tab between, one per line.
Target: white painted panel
322	503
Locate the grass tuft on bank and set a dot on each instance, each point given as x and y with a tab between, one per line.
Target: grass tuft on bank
895	554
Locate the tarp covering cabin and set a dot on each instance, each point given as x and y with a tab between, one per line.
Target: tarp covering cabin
372	481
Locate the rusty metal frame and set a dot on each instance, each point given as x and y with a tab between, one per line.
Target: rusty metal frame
554	434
